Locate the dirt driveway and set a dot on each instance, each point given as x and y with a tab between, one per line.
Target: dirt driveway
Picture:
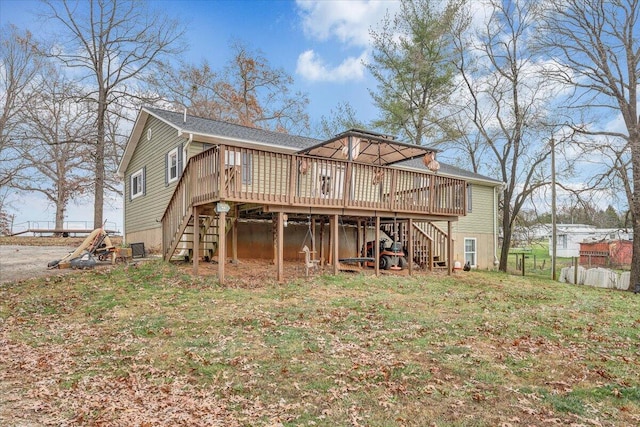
19	262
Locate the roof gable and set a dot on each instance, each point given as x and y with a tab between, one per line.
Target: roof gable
208	130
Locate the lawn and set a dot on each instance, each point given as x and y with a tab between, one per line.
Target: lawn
537	261
151	346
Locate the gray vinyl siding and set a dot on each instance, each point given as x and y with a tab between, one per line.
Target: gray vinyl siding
145	212
196	148
481	216
477	224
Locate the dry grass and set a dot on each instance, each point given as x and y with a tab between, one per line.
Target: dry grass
149	345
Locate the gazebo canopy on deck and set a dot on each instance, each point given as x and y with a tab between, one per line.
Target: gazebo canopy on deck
367	147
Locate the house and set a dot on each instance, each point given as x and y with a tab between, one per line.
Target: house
195	187
606	253
568	238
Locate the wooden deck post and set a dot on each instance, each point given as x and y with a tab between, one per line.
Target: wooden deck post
432	194
392	191
431	259
313	237
449	248
293	183
222	245
274	235
322	255
234	236
222	172
358	238
346	193
195	251
280	248
334	246
410	246
376	244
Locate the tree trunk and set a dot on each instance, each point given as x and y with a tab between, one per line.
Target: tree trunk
98	202
60	209
634	142
506	243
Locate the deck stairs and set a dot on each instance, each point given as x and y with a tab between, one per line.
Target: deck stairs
429	244
182	242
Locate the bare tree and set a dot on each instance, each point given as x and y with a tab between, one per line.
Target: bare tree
54	139
340	119
247	91
412	61
112	44
597	46
194	87
508	104
19	68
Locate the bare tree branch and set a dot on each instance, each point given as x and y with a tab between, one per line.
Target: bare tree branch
113	43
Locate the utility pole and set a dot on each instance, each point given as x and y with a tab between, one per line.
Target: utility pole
554	231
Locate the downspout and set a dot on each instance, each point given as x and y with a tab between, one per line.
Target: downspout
185	150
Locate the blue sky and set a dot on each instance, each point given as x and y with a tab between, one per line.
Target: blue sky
321	44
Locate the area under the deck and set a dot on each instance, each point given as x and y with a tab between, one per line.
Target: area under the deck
255	272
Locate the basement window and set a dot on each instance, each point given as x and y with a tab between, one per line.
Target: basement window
470	252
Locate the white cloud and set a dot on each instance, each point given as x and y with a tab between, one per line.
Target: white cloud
346	21
343	22
312	67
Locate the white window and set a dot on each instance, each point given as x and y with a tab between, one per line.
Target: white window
325	185
330	181
562	241
242	160
247	167
469	198
173	164
231	158
470	255
137	184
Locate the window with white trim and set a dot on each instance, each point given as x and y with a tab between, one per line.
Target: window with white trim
172	166
137	184
469	198
562	241
470	251
242	160
247	167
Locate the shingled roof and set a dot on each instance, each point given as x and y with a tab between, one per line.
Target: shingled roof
450	170
203	128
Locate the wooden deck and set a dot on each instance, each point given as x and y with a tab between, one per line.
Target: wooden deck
265	183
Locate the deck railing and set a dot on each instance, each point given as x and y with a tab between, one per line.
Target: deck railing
246	175
249	175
